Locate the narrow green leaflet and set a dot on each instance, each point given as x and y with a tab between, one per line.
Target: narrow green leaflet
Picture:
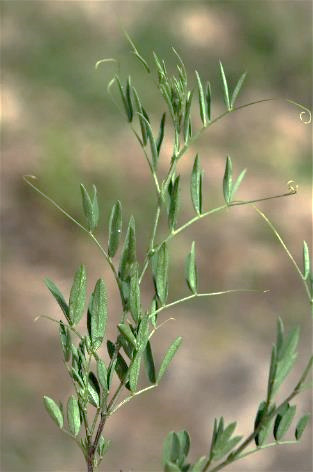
187	118
237	90
98	314
161	273
191	270
103	446
143	333
128	99
228	181
102	374
284	422
141	115
90	207
196	186
65	339
136	53
128	110
54	411
125	331
121	367
73	415
149	363
306	260
128	256
58	297
134	294
301	425
225	88
93	390
171	448
202	104
208	99
174	205
184	441
272	372
160	137
115	228
78	296
168	357
237	183
134	372
152	142
262	434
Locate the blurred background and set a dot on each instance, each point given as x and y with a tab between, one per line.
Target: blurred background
59	124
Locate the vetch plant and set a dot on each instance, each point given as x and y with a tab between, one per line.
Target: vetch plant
83	329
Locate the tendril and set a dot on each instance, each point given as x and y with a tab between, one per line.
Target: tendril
293	187
305	113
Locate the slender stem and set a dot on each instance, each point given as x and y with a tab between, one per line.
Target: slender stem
90	234
265	446
198	295
280	239
130	397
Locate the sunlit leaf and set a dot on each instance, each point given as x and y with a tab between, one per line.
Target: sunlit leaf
228	181
58	297
168	358
191	270
115	228
237	90
73	415
196	186
301	425
54	411
161	273
99	314
78	296
225	87
202	103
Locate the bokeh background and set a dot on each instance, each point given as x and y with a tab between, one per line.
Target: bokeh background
59	124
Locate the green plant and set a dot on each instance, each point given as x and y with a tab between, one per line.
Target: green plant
94	400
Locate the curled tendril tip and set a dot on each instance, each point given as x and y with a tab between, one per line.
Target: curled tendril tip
293	187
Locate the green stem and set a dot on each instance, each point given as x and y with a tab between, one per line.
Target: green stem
127	399
280	239
265	446
91	235
198	295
